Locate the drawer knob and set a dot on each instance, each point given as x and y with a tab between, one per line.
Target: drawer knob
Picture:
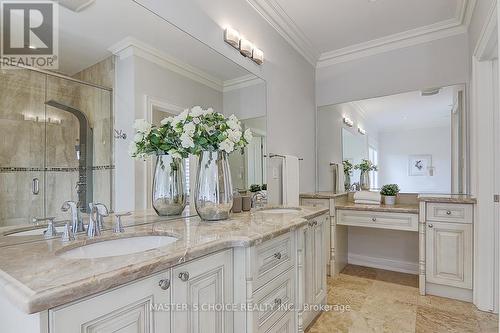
277	301
431	226
277	255
164	284
374	219
184	276
448	212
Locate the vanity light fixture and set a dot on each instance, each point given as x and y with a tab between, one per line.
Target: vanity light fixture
361	131
258	56
348	122
232	37
246	48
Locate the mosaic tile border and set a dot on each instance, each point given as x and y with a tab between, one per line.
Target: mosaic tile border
21	169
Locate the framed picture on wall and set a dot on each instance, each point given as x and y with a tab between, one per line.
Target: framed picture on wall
419	165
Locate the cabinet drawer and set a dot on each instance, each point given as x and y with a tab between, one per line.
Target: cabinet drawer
443	212
382	220
272	258
273	301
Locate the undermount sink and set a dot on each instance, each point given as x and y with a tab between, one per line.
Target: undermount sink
34	232
280	210
118	247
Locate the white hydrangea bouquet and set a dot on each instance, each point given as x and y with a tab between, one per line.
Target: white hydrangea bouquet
151	140
191	132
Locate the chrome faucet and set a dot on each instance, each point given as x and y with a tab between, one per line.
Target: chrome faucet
51	229
118	226
76	219
102	212
98	212
93	228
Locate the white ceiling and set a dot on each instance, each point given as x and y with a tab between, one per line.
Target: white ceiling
408	110
85	38
335	24
324	30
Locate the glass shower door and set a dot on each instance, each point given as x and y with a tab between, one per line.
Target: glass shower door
22	147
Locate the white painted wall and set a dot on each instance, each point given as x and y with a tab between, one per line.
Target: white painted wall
391	249
395	148
247	102
434	64
290	78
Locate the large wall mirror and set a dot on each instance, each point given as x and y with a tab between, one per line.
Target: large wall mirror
416	139
66	133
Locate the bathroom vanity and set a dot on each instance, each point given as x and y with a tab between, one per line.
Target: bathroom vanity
246	274
445	235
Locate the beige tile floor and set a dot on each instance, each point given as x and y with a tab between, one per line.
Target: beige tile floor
389	302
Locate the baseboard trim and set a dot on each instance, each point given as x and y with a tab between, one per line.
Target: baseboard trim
383	263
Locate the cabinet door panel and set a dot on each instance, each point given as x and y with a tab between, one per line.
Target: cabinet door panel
128	309
200	285
449	254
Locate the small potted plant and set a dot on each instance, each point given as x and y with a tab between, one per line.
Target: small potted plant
255	188
390	191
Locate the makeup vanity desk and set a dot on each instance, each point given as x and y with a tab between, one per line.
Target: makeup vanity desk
444	225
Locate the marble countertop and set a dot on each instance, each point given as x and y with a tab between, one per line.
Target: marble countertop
8	237
397	208
35	278
447	198
322	195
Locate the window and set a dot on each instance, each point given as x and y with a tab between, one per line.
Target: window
373	157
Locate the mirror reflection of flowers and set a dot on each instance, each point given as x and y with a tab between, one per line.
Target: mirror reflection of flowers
348	166
190	132
366	165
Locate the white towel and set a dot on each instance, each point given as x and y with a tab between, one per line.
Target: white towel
366	202
367	196
291	181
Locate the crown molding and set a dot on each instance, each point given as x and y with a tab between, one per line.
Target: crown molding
276	16
131	46
241	82
288	29
443	29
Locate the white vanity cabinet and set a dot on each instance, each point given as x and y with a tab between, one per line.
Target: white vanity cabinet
336	241
448	249
313	284
200	283
127	309
121	310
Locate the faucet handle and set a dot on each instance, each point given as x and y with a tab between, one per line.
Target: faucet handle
51	229
68	233
67	205
37	220
102	209
118	226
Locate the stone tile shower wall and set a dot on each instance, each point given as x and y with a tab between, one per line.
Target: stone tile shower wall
38	141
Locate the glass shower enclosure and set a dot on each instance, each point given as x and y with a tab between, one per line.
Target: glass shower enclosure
56	145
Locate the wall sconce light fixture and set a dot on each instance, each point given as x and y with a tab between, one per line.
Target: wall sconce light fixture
232	37
361	131
258	56
348	122
246	48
